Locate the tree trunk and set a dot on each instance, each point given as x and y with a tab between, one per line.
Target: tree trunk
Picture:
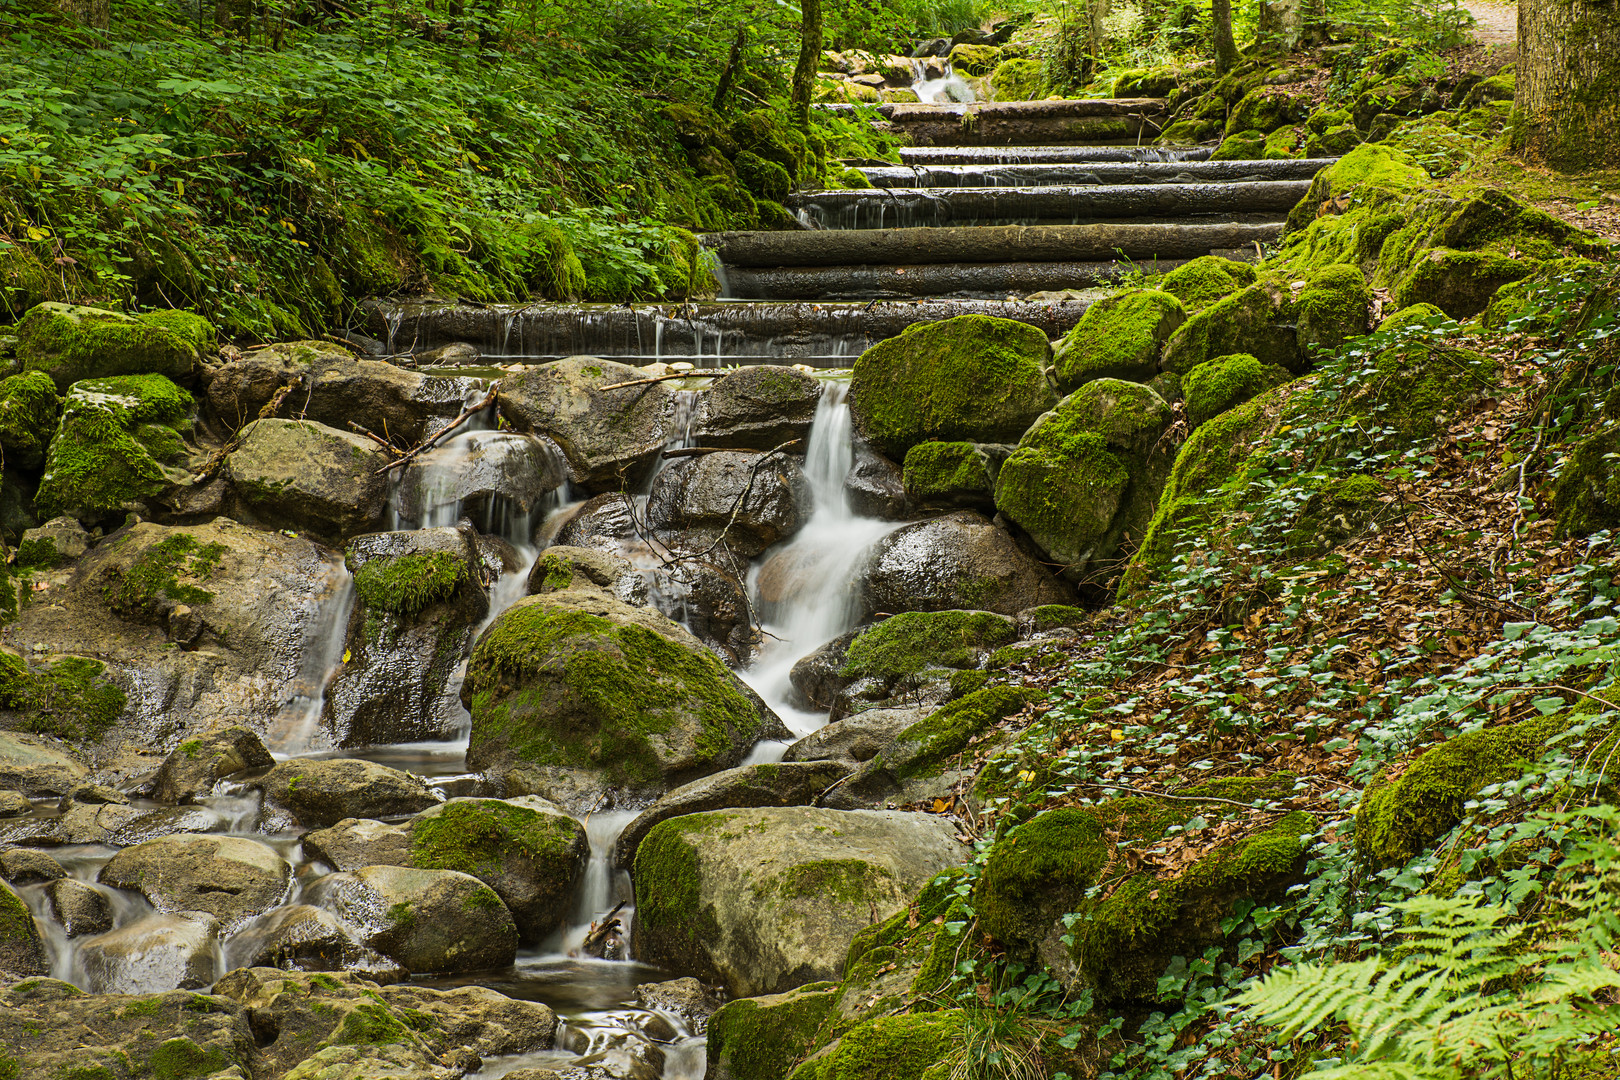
1566	101
804	74
90	14
1282	24
1226	54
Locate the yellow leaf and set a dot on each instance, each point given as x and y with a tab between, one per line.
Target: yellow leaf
36	234
1117	735
1026	776
939	806
345	656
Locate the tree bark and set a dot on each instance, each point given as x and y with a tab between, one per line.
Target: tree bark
1282	23
1226	54
90	14
1566	101
804	74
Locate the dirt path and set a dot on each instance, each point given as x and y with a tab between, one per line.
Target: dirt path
1498	21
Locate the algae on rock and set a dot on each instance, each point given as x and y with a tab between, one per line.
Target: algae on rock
69	342
1119	337
120	441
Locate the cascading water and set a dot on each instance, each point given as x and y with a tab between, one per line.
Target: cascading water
297	729
949	87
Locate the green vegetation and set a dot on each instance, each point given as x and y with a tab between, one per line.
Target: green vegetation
916	641
119	441
70	698
1119	337
407	585
164	571
475	837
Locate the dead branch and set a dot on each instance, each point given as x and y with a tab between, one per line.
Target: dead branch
666	378
699	451
217	459
376	438
489	399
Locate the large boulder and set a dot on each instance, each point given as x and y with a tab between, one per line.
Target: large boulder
419	599
28	411
70	342
766	784
710	601
120	442
1204	280
113	824
762	1037
606	698
22	950
952	562
702	883
1119	337
428	920
612	438
1088	475
311	477
874	486
909	659
72	697
317	792
80	908
333	387
354	843
605	523
953	474
153	954
483	475
38	766
745	501
854	739
301	937
193	768
757	408
1279	320
972	378
1217	385
231	878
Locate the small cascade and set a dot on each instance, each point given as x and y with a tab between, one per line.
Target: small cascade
605	885
949	87
297	729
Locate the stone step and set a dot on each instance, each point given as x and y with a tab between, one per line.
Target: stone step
1075	174
1045	155
985	244
1089	121
954	280
709	335
902	208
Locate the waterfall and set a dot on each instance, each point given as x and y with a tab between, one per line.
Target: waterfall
949	87
297	729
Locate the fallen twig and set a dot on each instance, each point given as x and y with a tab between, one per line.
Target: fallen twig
666	378
488	400
699	451
218	457
376	438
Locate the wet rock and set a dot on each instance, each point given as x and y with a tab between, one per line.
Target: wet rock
767	784
94	795
912	658
153	954
22	951
310	477
80	908
855	739
305	938
479	1019
357	842
818	677
561	566
767	1035
455	354
604	523
959	561
70	342
428	920
485	474
611	438
332	387
193	768
875	486
826	871
109	824
14	804
758	408
317	792
533	856
419	597
67	1031
651	708
745	501
711	602
58	542
28	411
21	866
687	998
1051	619
387	1061
231	878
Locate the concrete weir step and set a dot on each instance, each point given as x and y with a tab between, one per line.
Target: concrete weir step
1048	155
968	280
985	244
909	207
1091	121
1076	174
712	334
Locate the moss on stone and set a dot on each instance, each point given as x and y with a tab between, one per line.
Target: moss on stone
1241	146
1118	337
1411	316
1206	279
1369	166
70	343
915	641
946	732
1398	820
1417	387
910	1046
973	378
763	1038
668	885
1245	322
168	570
766	179
1341	509
28	413
1330	309
945	472
407	585
833	881
1460	283
475	837
1284	143
1018	80
1265	109
182	1059
1586	494
1217	385
69	698
370	1023
96	465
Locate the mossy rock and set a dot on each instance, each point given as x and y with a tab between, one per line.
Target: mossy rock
973	378
1364	169
1127	933
1250	320
1333	142
22	951
1217	385
1586	494
1411	316
1340	510
966	59
938	474
1460	283
1204	280
909	1046
406	585
1401	819
71	698
766	133
311	477
1284	143
119	442
1119	337
1418	387
916	641
1150	82
1088	474
1241	146
1266	109
1018	80
1332	307
1188	132
766	179
69	342
762	1038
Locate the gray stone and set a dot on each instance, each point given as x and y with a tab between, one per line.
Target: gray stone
153	954
856	739
428	920
35	765
231	878
483	473
743	501
300	937
356	842
875	486
64	538
559	565
80	908
711	602
22	951
818	677
21	866
687	998
94	795
758	408
109	824
959	561
310	477
318	792
611	438
604	523
193	768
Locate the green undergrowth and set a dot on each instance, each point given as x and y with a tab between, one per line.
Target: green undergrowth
70	698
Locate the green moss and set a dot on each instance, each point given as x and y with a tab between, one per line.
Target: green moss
668	893
1398	820
16	921
1367	167
1204	280
1331	308
1219	384
1342	509
1018	80
407	585
401	916
1417	387
182	1059
1411	316
1266	109
972	378
762	1038
484	900
1586	494
965	682
916	641
476	836
943	472
904	1047
69	698
623	686
1053	616
766	179
146	1007
370	1023
71	343
1149	82
37	554
946	732
1240	323
96	465
166	570
1241	146
1460	283
28	413
1119	337
839	881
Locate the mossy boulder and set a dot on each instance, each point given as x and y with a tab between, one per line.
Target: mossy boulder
1187	132
1266	109
1088	474
1338	510
1241	146
973	378
1119	337
1204	280
70	697
1284	143
1418	387
69	342
532	857
1280	322
604	697
958	561
967	59
1332	142
945	474
29	408
764	900
1400	819
22	950
1018	80
1367	168
315	793
1586	493
766	132
762	1038
908	1046
1411	315
1151	82
743	499
1460	283
193	768
918	646
765	179
1128	932
427	920
310	477
1217	385
120	442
